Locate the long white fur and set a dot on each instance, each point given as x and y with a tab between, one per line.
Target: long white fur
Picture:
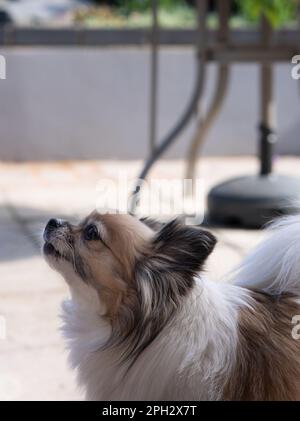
274	266
189	359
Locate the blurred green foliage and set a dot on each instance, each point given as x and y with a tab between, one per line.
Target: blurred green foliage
277	12
181	13
143	5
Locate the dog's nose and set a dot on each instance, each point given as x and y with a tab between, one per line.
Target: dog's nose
54	223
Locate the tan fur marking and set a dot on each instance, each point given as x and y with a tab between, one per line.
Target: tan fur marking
268	358
112	270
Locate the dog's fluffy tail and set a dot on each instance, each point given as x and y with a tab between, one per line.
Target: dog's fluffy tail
274	266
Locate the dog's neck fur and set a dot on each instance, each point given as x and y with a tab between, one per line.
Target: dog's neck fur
173	365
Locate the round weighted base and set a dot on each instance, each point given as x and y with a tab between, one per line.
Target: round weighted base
252	201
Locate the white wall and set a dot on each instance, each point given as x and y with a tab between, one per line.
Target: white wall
61	103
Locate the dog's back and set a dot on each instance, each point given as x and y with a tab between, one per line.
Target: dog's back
268	354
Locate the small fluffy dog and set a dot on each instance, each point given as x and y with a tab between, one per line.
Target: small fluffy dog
143	323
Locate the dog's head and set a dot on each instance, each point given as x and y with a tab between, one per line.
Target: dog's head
136	266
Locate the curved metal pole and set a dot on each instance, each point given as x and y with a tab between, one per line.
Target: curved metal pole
191	107
205	125
218	97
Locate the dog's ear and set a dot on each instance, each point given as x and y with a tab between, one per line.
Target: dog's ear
164	274
182	248
165	271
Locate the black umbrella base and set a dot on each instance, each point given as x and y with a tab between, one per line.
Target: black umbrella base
253	201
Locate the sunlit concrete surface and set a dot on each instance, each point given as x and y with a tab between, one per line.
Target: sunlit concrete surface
33	359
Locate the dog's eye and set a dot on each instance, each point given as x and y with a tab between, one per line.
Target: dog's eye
91	233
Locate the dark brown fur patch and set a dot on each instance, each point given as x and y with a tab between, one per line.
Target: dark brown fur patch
268	358
164	275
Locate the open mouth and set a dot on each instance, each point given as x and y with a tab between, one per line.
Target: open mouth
49	250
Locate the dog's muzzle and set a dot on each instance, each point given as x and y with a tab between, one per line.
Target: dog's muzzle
49	234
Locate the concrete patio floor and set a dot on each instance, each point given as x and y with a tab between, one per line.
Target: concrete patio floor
33	360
